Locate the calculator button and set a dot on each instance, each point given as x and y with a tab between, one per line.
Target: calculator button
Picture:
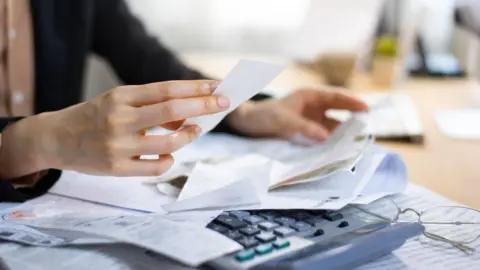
300	215
332	216
318	232
250	231
285	221
245	255
266	237
268	226
264	249
314	221
248	242
281	243
301	226
232	223
284	231
343	224
268	215
217	228
234	235
253	219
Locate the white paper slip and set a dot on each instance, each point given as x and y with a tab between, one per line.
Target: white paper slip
389	178
245	80
125	192
154	232
459	124
104	257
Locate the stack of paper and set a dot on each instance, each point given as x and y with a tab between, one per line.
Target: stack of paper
219	172
257	181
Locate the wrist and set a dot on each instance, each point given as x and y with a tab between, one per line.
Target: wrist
22	151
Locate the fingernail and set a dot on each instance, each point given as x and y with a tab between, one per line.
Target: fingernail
322	134
213	86
223	102
198	131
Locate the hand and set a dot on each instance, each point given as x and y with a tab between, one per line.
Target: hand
105	136
301	112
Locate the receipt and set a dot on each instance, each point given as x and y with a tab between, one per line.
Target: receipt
237	182
154	232
246	79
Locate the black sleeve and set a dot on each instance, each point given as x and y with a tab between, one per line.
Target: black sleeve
9	194
136	56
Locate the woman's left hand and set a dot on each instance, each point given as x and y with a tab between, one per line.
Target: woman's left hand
301	112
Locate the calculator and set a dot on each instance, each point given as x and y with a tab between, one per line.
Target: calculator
306	239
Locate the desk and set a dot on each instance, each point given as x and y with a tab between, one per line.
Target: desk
449	167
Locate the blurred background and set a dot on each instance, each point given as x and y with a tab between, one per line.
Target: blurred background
366	35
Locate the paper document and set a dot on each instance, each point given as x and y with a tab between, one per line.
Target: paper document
340	152
377	174
166	237
459	124
238	182
421	253
245	80
125	192
105	257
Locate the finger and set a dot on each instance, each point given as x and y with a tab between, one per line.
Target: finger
330	124
147	94
166	144
147	167
179	109
337	100
306	127
173	125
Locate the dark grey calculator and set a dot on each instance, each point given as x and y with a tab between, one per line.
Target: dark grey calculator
306	239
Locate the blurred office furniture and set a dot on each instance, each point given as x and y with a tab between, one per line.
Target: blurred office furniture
302	29
466	36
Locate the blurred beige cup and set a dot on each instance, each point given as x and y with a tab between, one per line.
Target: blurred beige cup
336	67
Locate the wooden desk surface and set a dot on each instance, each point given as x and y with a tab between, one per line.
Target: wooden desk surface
447	166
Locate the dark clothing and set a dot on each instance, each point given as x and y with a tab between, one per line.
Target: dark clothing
66	32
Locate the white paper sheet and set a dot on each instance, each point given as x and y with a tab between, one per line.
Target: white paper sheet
245	80
105	257
239	193
340	189
459	124
341	146
389	178
126	192
154	232
209	177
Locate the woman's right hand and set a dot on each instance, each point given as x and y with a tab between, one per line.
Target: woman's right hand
105	136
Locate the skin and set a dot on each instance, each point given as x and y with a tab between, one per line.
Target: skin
302	112
105	136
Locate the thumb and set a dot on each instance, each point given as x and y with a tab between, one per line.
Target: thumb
307	128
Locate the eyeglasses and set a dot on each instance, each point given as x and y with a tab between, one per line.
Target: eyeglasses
456	225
